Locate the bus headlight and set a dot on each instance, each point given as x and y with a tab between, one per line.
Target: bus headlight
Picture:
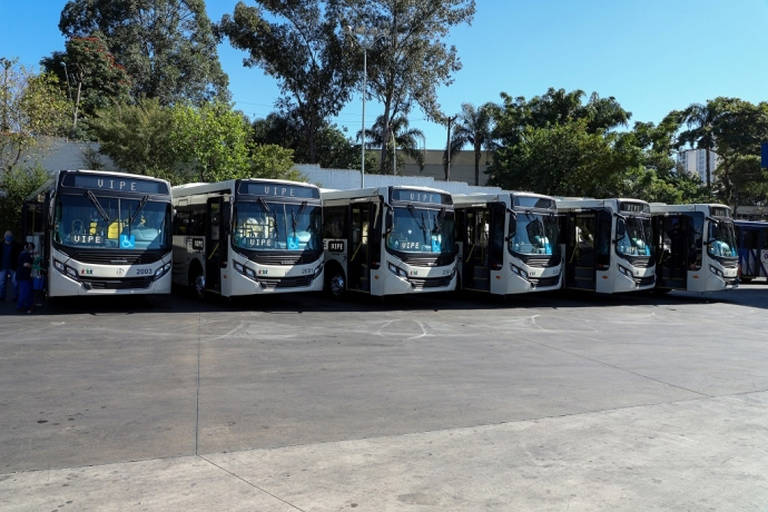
397	270
519	271
161	271
716	271
626	272
318	270
66	270
247	272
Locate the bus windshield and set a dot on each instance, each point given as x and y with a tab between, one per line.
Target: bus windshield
94	222
534	234
722	240
422	230
633	236
273	226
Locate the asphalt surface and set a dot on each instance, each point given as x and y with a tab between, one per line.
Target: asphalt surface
537	402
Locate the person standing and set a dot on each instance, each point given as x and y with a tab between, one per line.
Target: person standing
24	279
10	257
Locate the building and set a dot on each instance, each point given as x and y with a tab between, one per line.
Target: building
693	161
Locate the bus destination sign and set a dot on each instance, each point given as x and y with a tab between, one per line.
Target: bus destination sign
114	184
720	211
633	207
278	190
420	196
533	202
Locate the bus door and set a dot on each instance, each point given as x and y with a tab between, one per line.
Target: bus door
483	241
672	251
582	245
216	230
359	266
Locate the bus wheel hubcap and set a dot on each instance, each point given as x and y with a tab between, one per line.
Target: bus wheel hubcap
337	284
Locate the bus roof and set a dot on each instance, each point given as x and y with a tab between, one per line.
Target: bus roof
190	189
588	202
504	196
54	178
354	193
658	208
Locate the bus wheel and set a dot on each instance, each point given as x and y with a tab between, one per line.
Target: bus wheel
197	285
335	284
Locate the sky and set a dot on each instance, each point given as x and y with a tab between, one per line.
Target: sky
653	56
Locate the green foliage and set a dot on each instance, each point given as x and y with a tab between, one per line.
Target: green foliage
89	75
209	142
301	44
476	128
16	185
166	46
30	106
137	137
741	180
408	59
272	161
405	141
186	143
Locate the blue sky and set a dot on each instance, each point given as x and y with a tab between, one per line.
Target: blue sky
652	55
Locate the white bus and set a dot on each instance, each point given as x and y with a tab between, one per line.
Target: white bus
389	240
102	233
608	244
695	247
247	237
508	243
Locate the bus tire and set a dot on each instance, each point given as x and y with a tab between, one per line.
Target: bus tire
335	282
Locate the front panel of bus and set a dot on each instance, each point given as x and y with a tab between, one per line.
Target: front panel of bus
418	253
633	266
109	235
276	239
720	257
533	259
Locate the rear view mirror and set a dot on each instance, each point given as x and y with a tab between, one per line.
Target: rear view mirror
389	220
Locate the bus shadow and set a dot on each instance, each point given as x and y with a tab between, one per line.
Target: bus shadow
752	296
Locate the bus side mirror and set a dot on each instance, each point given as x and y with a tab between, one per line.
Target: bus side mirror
389	220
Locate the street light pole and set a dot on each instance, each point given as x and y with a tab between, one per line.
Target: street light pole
362	132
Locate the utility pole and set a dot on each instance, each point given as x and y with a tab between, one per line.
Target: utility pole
448	148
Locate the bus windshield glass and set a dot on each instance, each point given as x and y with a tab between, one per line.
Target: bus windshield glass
422	230
722	239
273	226
93	222
534	234
633	236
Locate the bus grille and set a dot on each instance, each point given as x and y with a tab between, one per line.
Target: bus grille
544	281
430	282
541	261
285	282
645	281
110	257
102	283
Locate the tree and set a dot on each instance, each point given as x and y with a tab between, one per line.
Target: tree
475	128
273	161
90	76
404	139
30	106
408	58
137	137
700	119
166	46
302	45
209	142
15	186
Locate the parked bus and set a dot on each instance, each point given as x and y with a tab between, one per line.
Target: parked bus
752	243
608	244
248	236
102	233
389	240
695	247
508	243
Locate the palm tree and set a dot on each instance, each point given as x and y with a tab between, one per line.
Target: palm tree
701	120
475	127
405	140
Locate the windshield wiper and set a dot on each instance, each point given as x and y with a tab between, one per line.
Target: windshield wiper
92	197
138	210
